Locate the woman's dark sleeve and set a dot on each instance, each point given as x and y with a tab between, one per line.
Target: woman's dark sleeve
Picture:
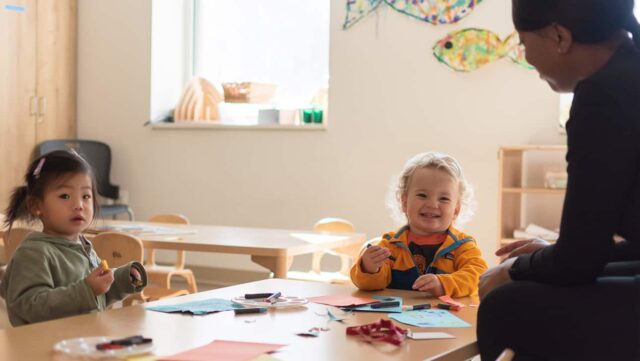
602	167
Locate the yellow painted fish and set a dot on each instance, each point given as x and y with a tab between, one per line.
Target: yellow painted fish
469	49
435	12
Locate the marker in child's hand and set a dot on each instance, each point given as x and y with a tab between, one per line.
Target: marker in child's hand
104	266
136	278
390	257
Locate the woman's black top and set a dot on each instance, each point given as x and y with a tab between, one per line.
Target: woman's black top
603	190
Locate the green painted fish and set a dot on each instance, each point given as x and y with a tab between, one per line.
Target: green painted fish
469	49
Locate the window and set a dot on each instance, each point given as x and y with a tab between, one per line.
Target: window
284	43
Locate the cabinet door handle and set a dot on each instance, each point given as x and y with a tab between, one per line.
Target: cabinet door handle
42	109
33	106
43	106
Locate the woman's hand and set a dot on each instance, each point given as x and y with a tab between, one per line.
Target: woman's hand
373	258
495	277
517	248
429	283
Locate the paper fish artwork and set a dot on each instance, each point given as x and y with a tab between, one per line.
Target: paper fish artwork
435	12
469	49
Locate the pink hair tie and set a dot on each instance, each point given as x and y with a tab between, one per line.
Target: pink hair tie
36	172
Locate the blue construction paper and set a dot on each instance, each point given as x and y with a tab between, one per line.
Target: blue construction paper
17	8
201	307
367	308
430	318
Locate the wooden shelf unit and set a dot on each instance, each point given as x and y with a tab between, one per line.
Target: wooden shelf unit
521	186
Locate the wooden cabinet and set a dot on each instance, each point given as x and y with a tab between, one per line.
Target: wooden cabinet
56	72
38	82
523	196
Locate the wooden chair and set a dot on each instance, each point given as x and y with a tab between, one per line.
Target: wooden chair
160	274
13	239
121	248
346	254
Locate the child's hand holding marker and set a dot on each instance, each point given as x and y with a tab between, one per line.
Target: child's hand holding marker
100	279
136	278
374	257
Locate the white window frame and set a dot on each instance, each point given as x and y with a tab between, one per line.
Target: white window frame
191	15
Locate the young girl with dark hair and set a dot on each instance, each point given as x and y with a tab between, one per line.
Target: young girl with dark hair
55	273
579	299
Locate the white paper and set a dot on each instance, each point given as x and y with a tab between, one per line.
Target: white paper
429	335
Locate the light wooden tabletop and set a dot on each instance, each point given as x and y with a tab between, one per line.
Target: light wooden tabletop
243	240
174	333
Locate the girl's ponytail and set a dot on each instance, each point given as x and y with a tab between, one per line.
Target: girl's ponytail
632	26
17	208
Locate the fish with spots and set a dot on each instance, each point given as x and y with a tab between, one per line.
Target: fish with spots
435	12
469	49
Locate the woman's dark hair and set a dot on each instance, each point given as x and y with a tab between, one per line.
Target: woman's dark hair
590	21
42	172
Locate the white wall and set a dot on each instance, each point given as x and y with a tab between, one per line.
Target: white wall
389	99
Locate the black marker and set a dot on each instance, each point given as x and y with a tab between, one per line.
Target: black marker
446	306
251	296
121	343
243	311
425	306
390	257
385	304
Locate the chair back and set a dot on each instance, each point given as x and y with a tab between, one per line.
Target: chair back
168	218
118	248
330	224
97	154
12	240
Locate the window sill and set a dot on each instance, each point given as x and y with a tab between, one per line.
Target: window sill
226	126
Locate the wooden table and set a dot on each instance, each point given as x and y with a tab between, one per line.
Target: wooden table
270	248
174	333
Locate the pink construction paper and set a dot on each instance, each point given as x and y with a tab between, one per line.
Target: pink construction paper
221	350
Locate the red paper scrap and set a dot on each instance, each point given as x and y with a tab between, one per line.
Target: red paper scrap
450	301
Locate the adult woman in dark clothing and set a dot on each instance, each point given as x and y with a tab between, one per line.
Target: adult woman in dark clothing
577	299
